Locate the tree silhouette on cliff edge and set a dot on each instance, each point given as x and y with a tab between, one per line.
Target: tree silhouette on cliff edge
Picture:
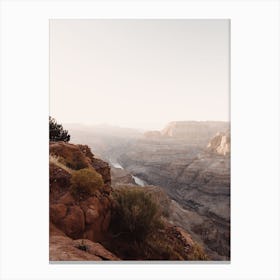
56	131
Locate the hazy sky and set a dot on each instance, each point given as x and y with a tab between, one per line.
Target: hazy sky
139	73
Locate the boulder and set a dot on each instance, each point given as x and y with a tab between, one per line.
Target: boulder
74	222
63	248
57	212
59	181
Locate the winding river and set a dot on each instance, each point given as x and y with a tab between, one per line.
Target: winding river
137	180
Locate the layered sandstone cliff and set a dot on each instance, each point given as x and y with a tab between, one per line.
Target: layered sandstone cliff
198	179
220	144
193	131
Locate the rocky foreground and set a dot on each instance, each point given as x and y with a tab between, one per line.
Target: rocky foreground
80	226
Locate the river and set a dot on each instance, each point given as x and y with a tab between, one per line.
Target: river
137	180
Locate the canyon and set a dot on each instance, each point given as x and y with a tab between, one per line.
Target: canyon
82	223
189	161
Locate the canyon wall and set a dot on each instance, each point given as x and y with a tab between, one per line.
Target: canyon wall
198	179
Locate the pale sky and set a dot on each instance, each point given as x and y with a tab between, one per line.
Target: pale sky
139	73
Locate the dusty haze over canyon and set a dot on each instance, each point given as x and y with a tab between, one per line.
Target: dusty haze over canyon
189	161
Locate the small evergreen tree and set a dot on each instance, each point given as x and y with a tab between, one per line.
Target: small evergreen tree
56	131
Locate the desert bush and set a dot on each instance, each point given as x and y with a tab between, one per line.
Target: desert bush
76	160
139	231
56	131
136	214
85	182
70	155
161	199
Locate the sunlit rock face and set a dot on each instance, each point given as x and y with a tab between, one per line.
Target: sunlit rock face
220	144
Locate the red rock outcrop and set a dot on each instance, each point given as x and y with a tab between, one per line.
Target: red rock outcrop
63	248
80	156
99	165
86	218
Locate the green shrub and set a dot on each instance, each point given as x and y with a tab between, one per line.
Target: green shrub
75	160
136	214
85	182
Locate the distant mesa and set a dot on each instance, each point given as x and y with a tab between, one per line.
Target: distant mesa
191	131
192	128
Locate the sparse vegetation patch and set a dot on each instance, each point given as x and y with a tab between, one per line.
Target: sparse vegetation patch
136	214
85	182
